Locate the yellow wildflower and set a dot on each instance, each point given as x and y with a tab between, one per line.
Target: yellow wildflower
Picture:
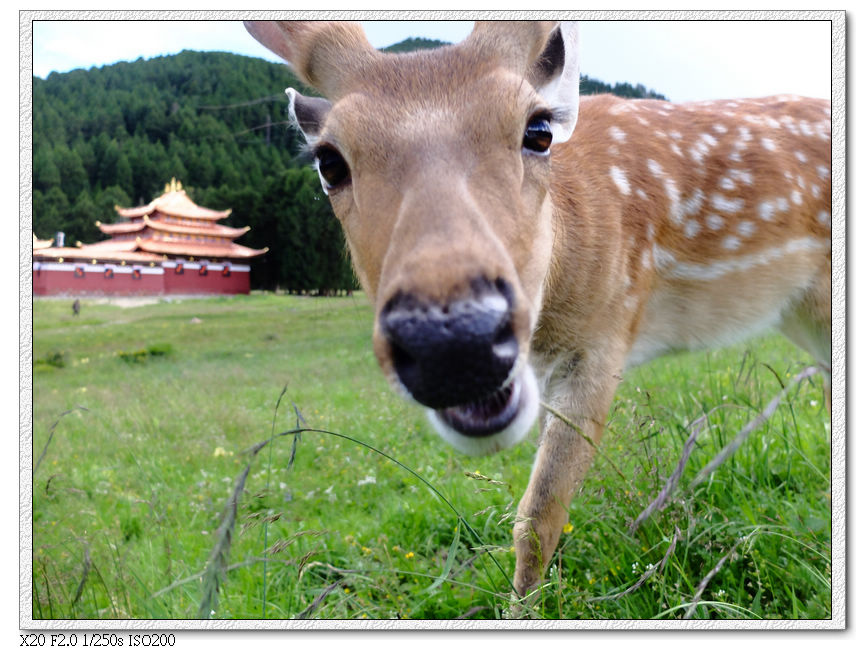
568	528
409	555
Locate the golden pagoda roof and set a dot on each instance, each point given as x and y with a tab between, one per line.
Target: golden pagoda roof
176	203
208	229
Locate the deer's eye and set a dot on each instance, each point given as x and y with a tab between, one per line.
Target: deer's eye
539	135
332	167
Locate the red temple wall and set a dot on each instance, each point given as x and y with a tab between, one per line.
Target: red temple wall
53	278
217	279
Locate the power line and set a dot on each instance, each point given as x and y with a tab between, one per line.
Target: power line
269	98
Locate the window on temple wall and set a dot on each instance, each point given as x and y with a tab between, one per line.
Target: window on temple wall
226	270
202	270
178	270
136	274
79	271
108	273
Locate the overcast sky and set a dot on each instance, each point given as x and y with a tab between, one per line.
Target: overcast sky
685	60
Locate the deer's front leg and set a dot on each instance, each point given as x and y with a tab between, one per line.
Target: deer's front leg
582	391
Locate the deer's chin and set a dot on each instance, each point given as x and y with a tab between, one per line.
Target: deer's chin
494	423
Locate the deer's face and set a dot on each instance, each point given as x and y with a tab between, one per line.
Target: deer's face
437	166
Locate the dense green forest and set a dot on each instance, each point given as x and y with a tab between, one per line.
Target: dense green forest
217	122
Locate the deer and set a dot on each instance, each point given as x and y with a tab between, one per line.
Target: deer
522	244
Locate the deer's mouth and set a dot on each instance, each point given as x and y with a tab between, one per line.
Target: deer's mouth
492	423
487	415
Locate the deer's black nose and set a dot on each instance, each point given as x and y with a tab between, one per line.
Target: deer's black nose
453	353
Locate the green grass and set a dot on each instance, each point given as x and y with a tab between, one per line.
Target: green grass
145	414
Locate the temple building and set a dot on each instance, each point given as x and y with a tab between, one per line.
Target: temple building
169	246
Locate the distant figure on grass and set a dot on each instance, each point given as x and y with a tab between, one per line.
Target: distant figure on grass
76	307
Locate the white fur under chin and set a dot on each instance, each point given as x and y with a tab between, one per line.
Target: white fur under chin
507	437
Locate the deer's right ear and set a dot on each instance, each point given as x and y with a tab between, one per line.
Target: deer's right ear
329	56
308	113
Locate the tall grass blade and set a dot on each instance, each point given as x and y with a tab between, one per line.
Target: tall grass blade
84	573
661	500
695	601
218	561
51	434
318	600
449	563
267	487
761	419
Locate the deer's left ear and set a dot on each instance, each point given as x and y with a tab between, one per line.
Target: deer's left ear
309	113
556	77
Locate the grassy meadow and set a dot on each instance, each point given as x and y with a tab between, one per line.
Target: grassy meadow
146	426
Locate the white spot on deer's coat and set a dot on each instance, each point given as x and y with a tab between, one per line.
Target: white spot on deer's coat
692	205
731	243
815	190
699	151
740	174
675	135
724	204
727	183
806	128
796	197
766	210
745	228
823	171
675	149
823	217
692	227
714	222
620	179
616	133
642	194
646	259
801	157
790	125
769	144
719	128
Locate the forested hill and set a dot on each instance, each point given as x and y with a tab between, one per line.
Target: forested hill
217	122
